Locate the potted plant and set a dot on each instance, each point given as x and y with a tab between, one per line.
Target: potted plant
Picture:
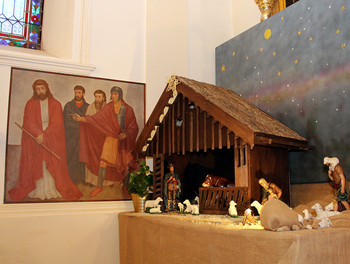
138	186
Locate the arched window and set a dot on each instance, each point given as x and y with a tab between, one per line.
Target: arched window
20	23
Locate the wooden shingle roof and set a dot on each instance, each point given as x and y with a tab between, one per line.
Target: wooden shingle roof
246	120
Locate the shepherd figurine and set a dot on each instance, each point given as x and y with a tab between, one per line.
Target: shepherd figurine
172	188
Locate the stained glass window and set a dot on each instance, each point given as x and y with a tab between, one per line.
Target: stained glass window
20	23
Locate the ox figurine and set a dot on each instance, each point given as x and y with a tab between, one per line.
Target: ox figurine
215	181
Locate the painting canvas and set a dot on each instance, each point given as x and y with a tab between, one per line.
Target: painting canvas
296	67
70	138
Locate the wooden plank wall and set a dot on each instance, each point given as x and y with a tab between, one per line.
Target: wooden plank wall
271	164
158	175
198	131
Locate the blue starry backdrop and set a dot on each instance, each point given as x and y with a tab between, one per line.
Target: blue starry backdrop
296	67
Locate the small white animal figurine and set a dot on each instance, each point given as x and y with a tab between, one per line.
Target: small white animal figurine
196	199
307	214
329	207
232	210
322	214
195	209
188	206
248	217
300	218
153	203
155	210
325	222
257	205
181	207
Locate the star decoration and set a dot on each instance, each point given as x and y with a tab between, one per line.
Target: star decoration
233	53
342	8
337	31
223	68
296	61
343	45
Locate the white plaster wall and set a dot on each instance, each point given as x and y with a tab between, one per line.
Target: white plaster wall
166	45
118	39
209	25
245	14
147	41
182	36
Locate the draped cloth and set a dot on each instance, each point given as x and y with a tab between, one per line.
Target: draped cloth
93	135
33	155
76	168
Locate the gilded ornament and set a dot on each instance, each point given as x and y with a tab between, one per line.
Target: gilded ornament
266	7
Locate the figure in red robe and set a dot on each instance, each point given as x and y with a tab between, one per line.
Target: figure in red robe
107	139
43	173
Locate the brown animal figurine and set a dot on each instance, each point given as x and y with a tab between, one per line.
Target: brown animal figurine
215	181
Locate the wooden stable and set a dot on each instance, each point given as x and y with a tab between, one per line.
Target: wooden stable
203	128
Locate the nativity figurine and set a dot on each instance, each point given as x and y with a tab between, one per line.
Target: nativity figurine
269	191
340	185
172	188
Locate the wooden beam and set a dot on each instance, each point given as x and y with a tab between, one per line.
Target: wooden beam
191	131
183	141
212	133
228	139
173	130
169	130
205	131
178	115
197	129
219	136
163	136
157	141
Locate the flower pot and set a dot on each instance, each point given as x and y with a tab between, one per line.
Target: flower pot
138	202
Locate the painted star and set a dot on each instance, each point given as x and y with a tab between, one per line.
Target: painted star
223	68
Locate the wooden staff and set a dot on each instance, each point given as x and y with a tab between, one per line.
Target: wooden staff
49	150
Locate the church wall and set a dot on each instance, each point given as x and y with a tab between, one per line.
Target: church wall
136	49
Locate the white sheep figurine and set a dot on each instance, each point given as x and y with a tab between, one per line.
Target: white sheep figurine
153	203
188	206
196	199
232	210
155	210
195	209
329	207
248	217
257	205
181	207
307	214
322	214
325	222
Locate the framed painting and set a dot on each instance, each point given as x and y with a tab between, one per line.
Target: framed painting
69	137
